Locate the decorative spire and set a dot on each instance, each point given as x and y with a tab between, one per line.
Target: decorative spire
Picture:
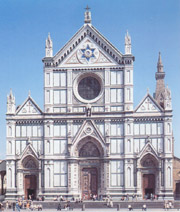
11	107
127	43
87	16
11	94
160	73
29	93
159	64
49	46
147	90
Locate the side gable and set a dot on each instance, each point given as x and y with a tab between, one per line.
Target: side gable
148	105
29	107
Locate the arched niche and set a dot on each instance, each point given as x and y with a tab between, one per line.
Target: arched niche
149	161
30	163
89	147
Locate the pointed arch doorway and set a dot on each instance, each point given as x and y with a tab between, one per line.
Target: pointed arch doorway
148	185
90	153
89	179
30	186
149	170
30	173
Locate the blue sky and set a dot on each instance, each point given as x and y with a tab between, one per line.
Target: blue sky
24	25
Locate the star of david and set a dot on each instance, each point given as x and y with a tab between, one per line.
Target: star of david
88	53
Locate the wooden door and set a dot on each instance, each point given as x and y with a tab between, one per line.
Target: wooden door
177	191
148	185
30	186
89	182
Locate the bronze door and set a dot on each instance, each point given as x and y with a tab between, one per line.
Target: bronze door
148	185
30	186
89	182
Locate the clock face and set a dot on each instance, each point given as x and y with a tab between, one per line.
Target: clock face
89	88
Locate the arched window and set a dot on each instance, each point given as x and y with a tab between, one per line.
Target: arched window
169	127
129	145
48	131
9	147
129	177
48	147
10	131
48	177
128	129
169	178
169	145
10	177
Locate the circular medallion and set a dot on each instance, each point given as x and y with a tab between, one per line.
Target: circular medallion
88	53
88	130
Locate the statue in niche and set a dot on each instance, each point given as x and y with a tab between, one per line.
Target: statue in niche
88	110
89	150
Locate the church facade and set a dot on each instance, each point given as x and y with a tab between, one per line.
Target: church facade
89	139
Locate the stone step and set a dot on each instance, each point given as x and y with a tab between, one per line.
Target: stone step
102	204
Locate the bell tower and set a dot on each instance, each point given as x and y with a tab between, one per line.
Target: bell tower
162	94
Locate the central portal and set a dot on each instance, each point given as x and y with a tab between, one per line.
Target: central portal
30	187
148	185
89	179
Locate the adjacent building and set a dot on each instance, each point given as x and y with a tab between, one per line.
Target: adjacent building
89	138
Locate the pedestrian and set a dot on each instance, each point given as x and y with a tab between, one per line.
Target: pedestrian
133	196
130	208
167	206
144	207
59	207
28	205
7	205
108	202
17	206
14	205
0	207
111	203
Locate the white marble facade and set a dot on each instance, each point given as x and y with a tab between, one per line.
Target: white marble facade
89	126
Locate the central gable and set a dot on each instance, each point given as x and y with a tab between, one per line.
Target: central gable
87	46
88	53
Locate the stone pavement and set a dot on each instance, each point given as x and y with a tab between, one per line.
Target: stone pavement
98	210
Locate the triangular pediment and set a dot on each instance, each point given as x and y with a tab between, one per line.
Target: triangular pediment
87	46
29	107
88	128
29	151
88	53
147	105
148	149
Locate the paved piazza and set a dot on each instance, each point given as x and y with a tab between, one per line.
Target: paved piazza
102	209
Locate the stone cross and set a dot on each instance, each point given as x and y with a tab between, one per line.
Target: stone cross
148	102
